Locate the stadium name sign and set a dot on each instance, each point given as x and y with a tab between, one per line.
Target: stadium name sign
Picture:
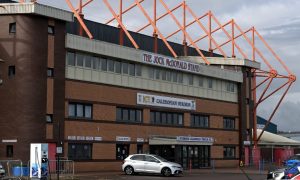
171	63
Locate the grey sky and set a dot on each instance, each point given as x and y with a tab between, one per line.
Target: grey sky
277	20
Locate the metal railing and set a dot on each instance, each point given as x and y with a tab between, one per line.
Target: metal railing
14	169
64	168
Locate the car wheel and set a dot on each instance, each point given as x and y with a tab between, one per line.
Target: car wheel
129	170
166	172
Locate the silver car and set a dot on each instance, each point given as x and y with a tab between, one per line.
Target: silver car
148	163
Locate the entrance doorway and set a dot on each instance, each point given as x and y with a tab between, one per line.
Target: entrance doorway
186	155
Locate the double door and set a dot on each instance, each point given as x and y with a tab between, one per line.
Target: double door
195	156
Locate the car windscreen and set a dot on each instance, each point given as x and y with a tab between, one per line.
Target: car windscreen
160	158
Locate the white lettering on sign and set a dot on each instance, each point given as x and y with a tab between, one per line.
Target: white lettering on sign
164	101
123	138
171	63
139	139
98	138
89	138
195	139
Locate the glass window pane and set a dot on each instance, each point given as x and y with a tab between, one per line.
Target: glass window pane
138	70
180	119
71	58
125	114
164	118
88	61
210	83
169	77
157	118
119	114
190	79
174	76
79	59
138	116
125	67
118	67
180	78
110	64
197	121
71	110
201	81
88	111
79	110
151	72
95	63
163	75
175	119
132	115
131	69
157	74
170	118
152	117
103	64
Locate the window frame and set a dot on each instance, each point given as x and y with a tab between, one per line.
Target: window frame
198	121
124	114
84	105
82	154
229	123
229	152
12	28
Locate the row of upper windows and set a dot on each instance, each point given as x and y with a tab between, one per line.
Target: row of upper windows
132	115
134	69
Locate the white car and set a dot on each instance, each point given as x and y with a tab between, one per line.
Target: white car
2	171
148	163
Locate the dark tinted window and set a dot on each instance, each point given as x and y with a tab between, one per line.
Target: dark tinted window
12	28
11	71
80	151
51	30
71	58
138	157
150	159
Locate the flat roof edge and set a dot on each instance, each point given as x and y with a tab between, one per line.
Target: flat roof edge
36	9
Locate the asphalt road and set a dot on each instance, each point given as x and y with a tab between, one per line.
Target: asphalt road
205	176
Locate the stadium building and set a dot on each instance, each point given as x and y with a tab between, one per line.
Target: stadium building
101	101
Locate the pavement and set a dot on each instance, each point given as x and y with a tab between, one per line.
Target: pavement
207	174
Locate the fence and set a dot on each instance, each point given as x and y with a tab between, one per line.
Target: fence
16	169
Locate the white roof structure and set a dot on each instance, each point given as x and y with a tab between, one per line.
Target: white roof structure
273	139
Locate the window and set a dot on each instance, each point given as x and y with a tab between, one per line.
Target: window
103	64
71	59
229	152
95	63
228	123
180	78
122	151
169	77
129	115
11	71
210	83
138	157
150	159
131	69
12	27
118	67
50	72
138	70
125	67
199	120
174	76
9	151
157	74
79	60
190	79
88	61
51	30
166	118
201	81
110	65
151	72
79	151
49	118
163	75
79	110
229	87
